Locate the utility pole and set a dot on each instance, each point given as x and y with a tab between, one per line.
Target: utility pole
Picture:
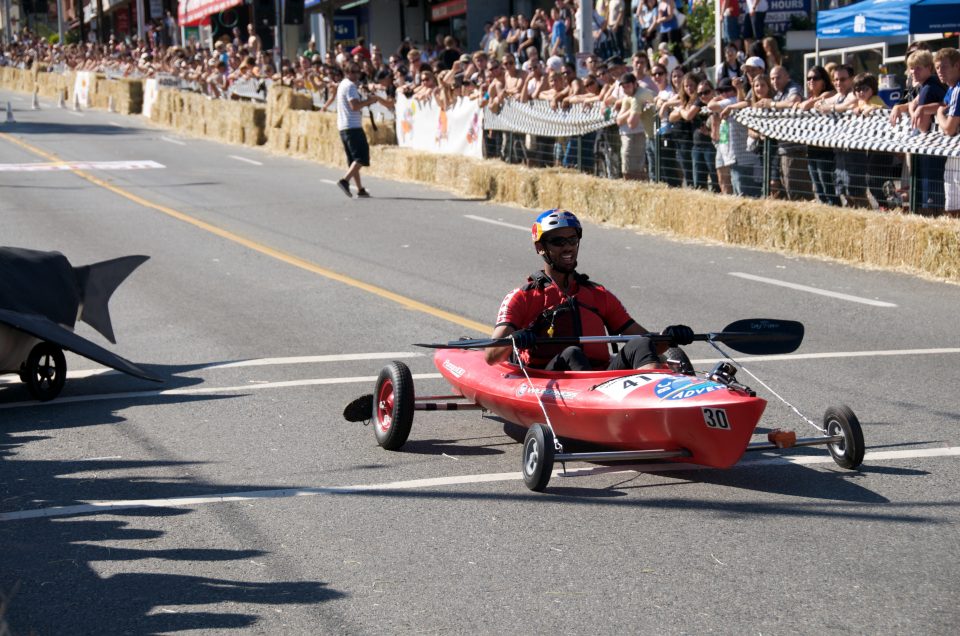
60	21
140	20
100	29
6	23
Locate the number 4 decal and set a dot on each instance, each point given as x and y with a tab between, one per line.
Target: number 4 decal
716	418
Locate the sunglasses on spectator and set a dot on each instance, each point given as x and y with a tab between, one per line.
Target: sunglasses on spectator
559	241
814	78
705	93
658	73
860	89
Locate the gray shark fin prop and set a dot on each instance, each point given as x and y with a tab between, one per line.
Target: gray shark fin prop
98	282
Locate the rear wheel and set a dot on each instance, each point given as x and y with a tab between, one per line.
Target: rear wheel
393	406
538	451
840	420
45	371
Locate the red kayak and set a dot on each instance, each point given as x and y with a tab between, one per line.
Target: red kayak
670	413
623	410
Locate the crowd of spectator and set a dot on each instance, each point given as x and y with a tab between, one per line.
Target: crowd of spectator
674	119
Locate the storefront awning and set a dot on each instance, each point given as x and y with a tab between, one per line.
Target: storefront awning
192	12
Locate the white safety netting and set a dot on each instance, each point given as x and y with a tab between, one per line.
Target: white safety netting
848	131
538	118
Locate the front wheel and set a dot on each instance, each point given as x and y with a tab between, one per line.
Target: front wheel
840	420
538	451
393	406
45	371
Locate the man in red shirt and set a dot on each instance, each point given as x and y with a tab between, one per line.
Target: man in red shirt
559	302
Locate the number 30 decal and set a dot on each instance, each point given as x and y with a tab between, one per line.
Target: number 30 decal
716	418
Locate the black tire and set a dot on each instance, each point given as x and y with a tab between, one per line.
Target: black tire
682	362
393	406
840	420
538	451
45	371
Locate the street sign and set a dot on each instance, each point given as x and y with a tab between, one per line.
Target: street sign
344	28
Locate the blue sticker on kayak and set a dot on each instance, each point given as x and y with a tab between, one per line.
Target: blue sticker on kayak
683	388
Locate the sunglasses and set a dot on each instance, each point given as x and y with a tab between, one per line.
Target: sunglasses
814	78
658	73
559	241
705	93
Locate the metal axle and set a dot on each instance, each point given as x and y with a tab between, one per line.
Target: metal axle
806	441
446	406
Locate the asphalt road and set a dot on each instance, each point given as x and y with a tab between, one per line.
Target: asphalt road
234	498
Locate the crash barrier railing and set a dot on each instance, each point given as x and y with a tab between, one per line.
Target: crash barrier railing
838	159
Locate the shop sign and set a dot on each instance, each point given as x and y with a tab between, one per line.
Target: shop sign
447	10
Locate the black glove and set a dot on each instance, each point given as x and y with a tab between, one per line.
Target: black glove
524	339
679	334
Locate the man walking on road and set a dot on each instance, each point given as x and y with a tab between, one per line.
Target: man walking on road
350	125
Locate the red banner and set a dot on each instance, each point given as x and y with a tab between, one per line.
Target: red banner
191	12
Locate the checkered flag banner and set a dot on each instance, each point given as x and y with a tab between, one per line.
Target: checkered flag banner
848	131
538	118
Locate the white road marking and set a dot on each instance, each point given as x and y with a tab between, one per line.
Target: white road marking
328	181
813	290
239	158
833	354
208	390
456	480
346	357
75	113
113	123
86	373
495	222
173	141
257	362
63	166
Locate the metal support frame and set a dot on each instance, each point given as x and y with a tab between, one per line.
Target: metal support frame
643	455
765	186
621	456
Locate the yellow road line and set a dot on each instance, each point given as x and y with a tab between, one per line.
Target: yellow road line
290	259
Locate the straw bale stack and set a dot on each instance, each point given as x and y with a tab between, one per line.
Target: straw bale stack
237	122
313	134
282	99
127	94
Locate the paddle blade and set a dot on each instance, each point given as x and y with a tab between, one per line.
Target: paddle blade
467	343
360	409
761	336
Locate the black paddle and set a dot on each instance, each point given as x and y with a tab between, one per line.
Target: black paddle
754	336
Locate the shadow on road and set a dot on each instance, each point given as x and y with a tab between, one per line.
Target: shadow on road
70	572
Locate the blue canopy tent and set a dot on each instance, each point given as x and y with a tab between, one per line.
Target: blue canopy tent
868	18
888	18
935	16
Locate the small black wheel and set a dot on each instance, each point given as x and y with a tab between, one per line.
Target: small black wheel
393	406
45	371
840	420
677	359
538	453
